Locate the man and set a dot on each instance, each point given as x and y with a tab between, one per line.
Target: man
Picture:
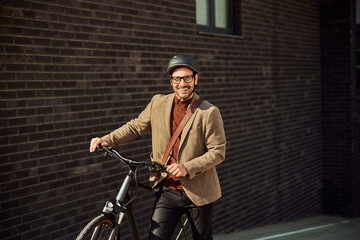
193	185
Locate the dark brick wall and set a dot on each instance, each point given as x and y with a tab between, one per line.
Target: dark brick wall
73	70
340	109
272	117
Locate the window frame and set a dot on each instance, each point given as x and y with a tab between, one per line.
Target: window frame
211	28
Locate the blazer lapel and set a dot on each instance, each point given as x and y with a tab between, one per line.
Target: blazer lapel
187	126
167	115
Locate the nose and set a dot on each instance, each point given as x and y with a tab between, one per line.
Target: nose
182	82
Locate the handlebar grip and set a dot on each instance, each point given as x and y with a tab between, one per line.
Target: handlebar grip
106	151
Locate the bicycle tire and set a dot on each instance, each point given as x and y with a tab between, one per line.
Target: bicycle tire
103	226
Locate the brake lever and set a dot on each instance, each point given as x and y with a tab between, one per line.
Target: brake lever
159	167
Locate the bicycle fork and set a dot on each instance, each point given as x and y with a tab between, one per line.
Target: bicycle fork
132	221
117	224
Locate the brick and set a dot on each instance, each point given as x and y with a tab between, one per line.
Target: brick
13	49
15	67
17	139
44	110
26	129
47	177
37	136
8	113
26	112
26	76
4	140
25	94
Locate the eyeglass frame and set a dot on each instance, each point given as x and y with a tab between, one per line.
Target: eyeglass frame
183	78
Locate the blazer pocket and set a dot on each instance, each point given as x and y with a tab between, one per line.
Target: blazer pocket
195	139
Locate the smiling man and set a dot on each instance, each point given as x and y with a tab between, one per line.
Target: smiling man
193	185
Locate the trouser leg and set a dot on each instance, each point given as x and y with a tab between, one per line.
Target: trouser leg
166	214
200	218
169	206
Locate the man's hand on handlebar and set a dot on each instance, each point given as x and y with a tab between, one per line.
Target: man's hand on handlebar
178	170
95	142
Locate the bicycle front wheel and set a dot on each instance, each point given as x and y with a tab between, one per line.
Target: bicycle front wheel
99	228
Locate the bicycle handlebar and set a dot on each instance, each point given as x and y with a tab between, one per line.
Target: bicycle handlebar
154	166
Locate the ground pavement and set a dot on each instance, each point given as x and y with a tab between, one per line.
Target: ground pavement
317	228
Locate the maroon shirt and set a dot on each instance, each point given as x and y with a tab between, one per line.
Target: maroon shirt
177	114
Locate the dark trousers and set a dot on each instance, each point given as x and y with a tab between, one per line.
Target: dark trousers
169	205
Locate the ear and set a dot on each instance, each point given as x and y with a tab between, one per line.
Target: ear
196	79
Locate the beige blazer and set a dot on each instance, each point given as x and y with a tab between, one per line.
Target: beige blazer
201	148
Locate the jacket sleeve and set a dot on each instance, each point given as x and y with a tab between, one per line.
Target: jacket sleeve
215	145
134	128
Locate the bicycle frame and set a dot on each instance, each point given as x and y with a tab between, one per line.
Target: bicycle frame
120	202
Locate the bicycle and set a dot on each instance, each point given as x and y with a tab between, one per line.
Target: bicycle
107	224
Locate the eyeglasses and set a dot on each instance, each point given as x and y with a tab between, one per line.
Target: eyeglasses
187	79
